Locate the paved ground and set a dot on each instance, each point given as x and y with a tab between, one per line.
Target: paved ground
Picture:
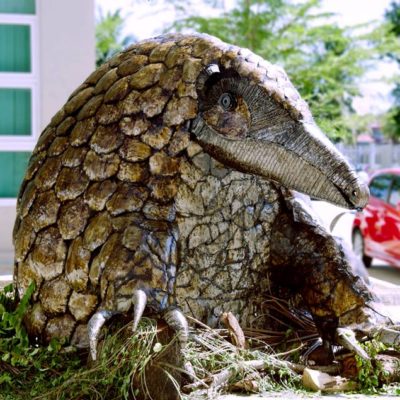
384	272
293	396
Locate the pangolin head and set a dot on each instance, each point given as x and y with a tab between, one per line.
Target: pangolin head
241	109
251	118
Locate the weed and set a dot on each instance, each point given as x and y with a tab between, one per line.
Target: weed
62	373
56	372
370	370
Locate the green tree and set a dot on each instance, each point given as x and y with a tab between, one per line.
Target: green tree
392	125
109	37
393	15
323	59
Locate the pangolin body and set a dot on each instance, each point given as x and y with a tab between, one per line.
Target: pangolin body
119	194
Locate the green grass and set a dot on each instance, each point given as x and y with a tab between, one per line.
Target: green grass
57	372
125	361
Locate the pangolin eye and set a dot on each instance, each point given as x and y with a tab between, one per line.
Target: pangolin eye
227	101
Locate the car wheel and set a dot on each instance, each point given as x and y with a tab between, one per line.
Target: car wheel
358	248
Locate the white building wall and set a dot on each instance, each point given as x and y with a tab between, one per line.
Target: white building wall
67	51
66	56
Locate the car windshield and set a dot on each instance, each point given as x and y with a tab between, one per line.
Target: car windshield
379	186
394	198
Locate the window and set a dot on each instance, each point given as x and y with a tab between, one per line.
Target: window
394	198
15	48
18	90
15	112
17	6
379	187
13	166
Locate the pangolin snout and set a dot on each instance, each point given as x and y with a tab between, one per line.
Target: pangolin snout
359	196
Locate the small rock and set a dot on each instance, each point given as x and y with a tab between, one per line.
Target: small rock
65	126
45	210
320	381
132	172
106	81
127	198
77	101
90	108
179	110
117	91
132	65
47	174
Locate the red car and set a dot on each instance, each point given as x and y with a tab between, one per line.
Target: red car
376	230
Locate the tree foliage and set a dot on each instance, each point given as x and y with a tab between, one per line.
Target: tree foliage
393	15
109	36
392	125
323	60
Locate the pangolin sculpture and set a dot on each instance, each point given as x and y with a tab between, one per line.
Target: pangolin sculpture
164	185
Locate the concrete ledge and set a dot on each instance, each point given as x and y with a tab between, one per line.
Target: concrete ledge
7	219
383	285
295	395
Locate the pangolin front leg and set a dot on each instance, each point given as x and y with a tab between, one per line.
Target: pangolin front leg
173	317
139	277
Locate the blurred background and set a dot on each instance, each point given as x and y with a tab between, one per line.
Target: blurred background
342	56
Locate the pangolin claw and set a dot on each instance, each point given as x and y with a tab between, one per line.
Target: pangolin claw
347	338
177	321
139	300
173	317
95	324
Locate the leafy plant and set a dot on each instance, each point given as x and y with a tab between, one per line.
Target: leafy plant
109	36
369	371
13	337
58	372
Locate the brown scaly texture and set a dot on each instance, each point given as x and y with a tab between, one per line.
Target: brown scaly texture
119	195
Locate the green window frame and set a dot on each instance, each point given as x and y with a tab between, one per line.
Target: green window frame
19	95
17	7
15	48
15	111
13	166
